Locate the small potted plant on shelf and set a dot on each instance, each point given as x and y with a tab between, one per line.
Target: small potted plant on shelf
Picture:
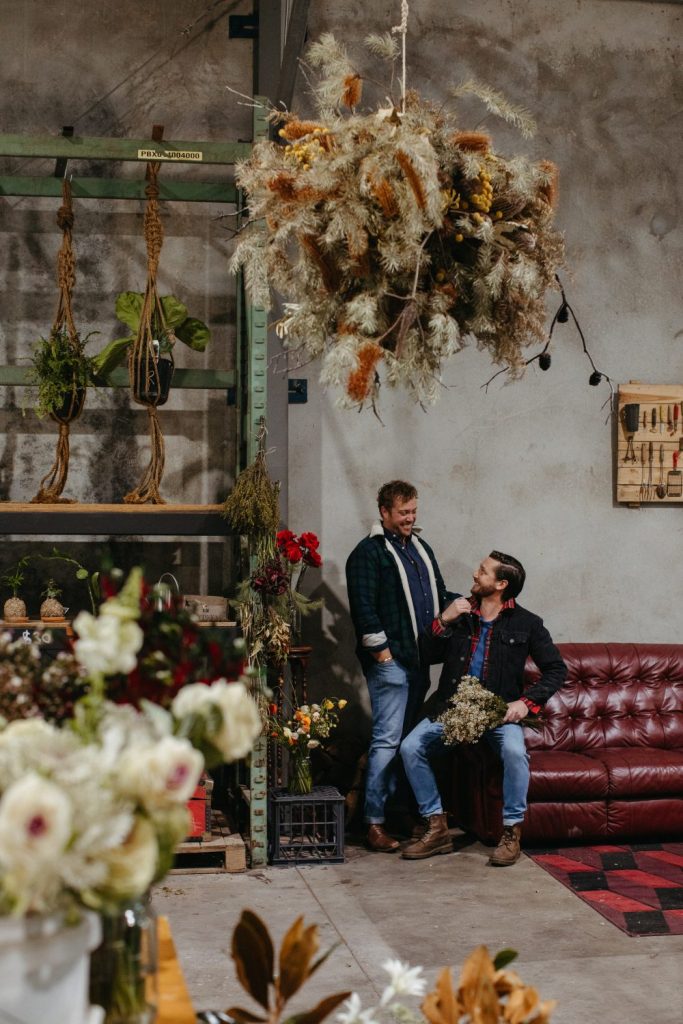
14	609
62	372
52	609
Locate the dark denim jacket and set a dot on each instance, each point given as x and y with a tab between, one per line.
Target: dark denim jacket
516	635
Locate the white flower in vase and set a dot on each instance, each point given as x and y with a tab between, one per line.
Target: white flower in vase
162	773
240	722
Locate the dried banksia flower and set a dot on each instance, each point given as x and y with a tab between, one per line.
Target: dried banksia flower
472	142
296	129
353	90
327	268
284	185
361	380
551	189
412	177
385	196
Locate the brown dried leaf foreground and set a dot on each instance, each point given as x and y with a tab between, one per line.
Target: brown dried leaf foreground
486	994
254	956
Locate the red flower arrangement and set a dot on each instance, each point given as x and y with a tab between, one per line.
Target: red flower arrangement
303	548
176	651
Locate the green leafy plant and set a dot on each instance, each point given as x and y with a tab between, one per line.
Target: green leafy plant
51	590
178	327
59	368
91	579
14	577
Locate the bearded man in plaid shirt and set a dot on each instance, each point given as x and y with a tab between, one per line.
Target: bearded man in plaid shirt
395	591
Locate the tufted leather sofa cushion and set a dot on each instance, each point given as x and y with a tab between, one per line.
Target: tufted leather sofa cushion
608	760
616	695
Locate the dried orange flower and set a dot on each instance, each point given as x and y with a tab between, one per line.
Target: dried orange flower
360	382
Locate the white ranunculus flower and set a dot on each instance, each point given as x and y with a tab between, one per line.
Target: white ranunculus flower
241	722
191	700
163	773
107	644
35	822
132	866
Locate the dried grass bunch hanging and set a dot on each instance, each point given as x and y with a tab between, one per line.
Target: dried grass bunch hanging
395	235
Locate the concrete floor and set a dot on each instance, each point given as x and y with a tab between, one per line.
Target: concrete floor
430	913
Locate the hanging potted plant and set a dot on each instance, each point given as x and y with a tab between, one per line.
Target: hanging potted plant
177	326
62	372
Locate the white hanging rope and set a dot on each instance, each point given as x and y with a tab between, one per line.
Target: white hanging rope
403	29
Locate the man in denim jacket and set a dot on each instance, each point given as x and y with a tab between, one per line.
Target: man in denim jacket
488	636
395	590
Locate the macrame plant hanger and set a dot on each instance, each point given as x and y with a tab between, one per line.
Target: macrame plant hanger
144	364
53	483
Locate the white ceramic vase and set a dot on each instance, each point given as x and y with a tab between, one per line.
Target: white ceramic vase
44	969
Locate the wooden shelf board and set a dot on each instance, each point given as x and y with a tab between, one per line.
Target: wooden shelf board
123	520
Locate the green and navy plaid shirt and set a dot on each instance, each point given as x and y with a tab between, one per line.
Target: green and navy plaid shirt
378	601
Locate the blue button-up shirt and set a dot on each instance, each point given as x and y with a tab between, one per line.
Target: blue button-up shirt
418	580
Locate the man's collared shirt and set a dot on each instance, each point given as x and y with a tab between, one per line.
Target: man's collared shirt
418	580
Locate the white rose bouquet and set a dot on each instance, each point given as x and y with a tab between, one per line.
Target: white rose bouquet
92	806
90	814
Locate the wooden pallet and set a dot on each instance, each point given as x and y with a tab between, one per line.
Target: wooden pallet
223	851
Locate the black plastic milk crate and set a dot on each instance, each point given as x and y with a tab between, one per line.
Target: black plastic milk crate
306	828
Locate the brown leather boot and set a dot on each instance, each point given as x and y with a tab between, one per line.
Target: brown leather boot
380	841
508	850
435	840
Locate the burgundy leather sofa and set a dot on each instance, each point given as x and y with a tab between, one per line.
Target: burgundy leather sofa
607	763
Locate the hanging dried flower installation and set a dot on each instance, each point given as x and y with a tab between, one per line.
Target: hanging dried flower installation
395	235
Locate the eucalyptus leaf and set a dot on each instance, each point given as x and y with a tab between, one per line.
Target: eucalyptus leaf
193	333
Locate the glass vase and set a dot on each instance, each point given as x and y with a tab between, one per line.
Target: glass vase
300	778
123	969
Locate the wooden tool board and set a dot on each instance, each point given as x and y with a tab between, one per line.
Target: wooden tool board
637	483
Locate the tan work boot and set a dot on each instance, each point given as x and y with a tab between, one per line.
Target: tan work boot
508	850
380	841
435	840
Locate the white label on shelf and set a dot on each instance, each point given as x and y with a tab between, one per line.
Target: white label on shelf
173	154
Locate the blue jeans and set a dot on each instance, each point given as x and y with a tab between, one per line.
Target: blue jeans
395	695
426	740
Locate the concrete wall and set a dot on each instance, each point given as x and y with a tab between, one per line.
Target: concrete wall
526	467
115	69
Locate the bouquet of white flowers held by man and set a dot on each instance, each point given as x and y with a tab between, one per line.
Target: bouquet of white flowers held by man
472	710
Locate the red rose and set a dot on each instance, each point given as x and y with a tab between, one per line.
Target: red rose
283	538
310	541
293	552
313	558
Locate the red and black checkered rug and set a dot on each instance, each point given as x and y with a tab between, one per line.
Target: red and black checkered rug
639	887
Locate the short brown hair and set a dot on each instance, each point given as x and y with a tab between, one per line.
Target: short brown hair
395	490
511	571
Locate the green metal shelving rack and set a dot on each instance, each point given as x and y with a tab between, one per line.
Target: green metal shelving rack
249	381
